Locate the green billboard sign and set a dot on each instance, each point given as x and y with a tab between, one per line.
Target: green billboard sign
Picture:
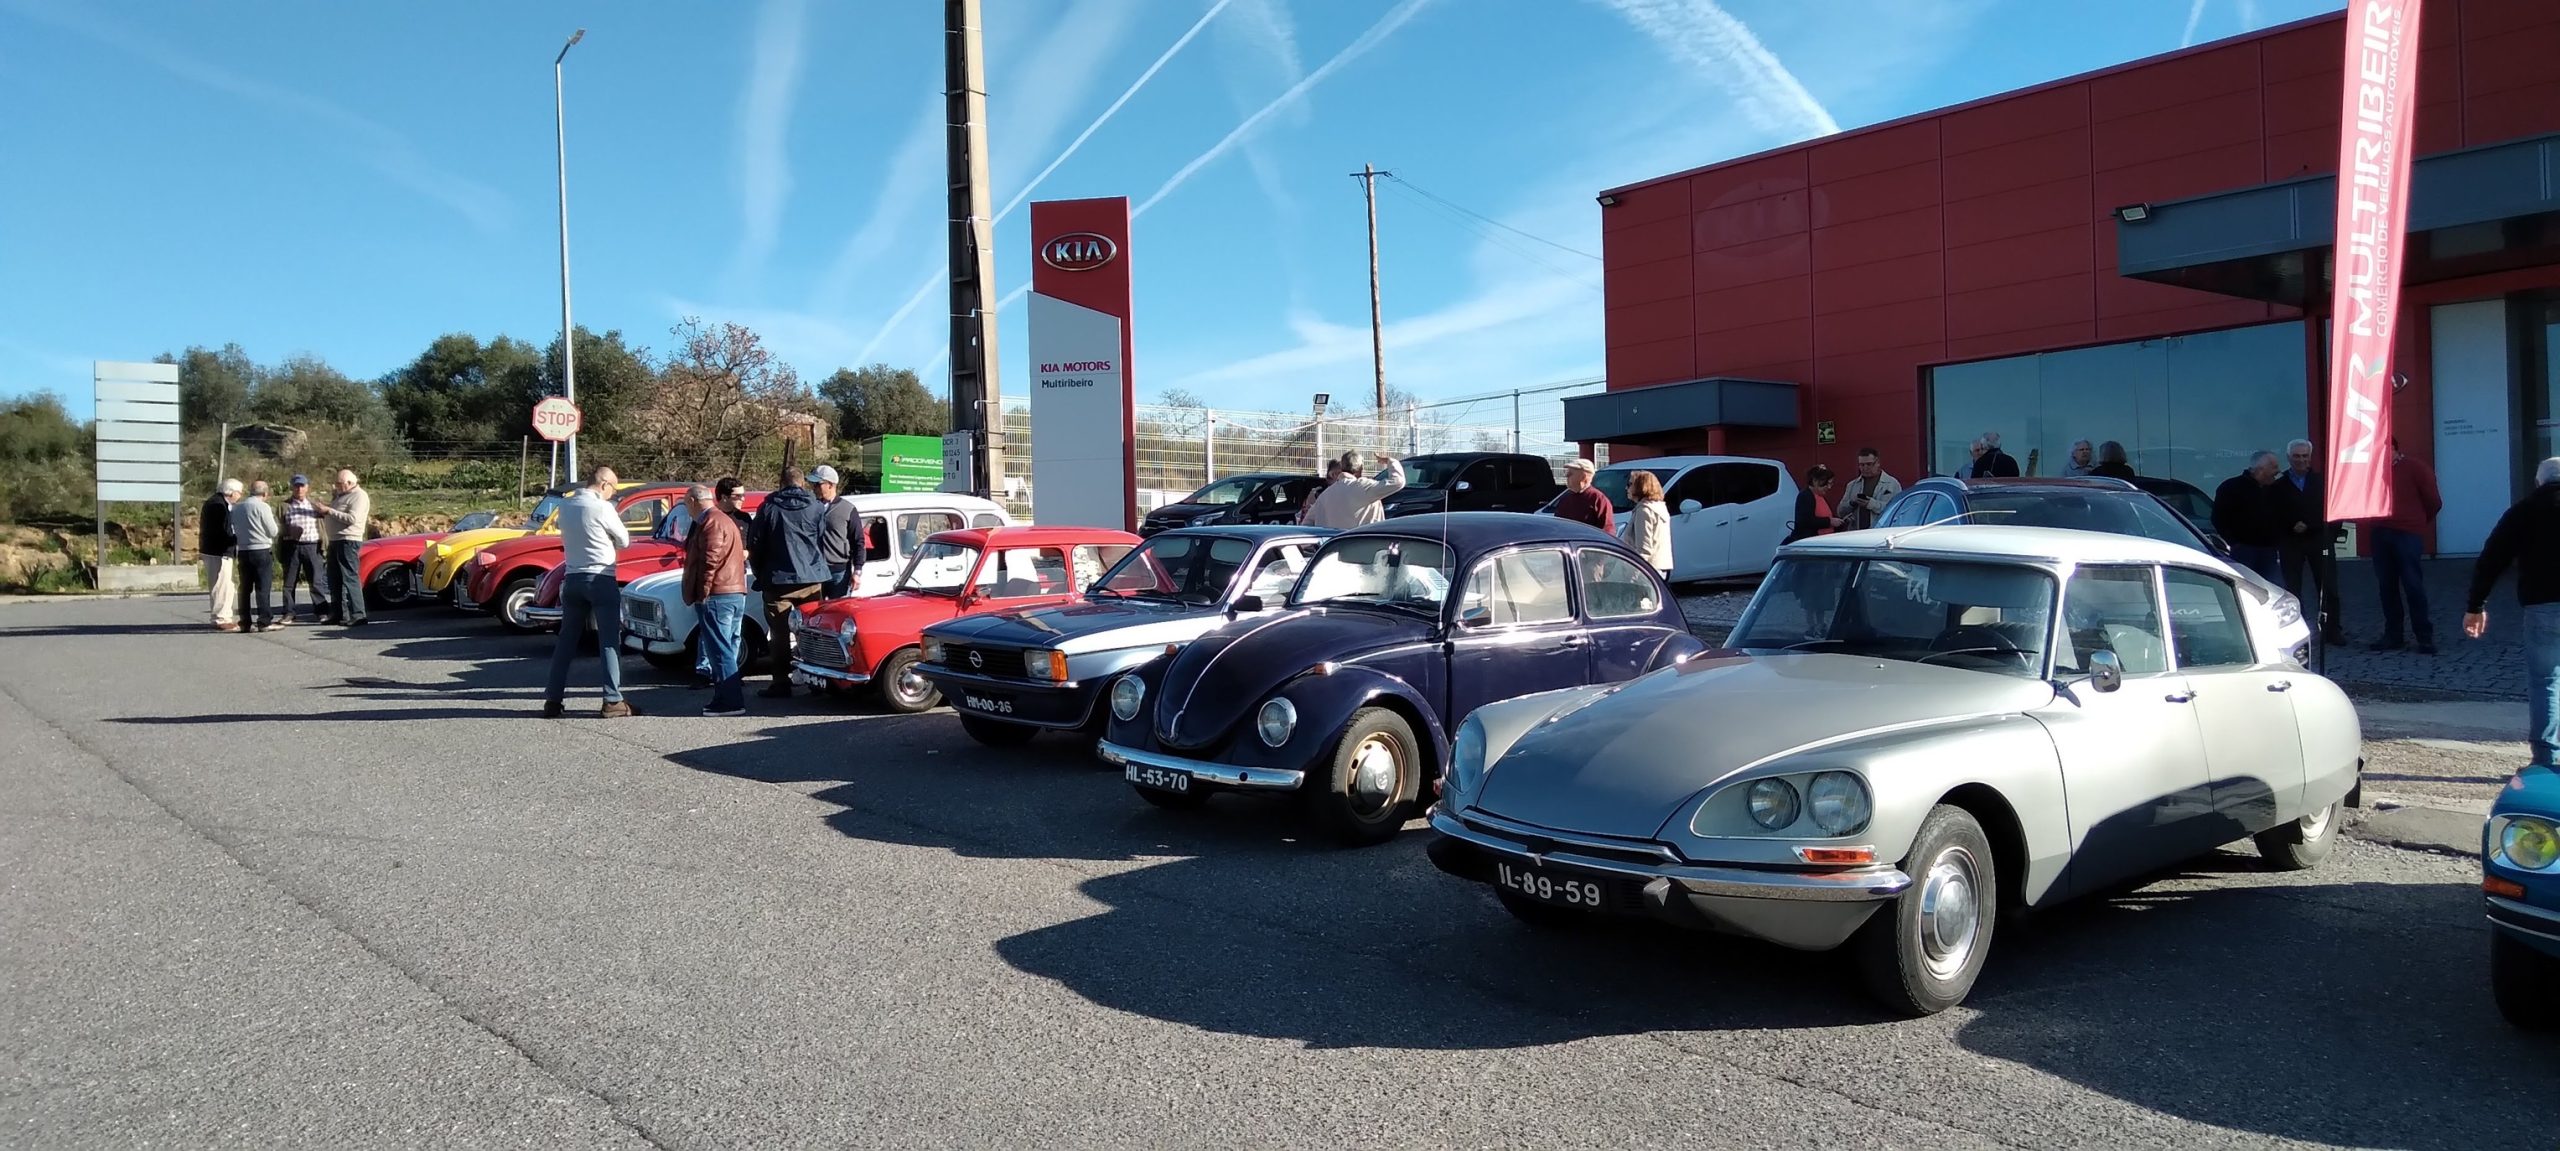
910	463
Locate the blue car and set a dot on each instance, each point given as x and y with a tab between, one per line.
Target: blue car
2520	879
1394	635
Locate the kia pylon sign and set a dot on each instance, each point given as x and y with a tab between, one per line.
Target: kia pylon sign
2375	118
1083	445
556	419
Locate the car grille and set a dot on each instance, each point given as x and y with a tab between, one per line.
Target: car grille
823	648
1000	663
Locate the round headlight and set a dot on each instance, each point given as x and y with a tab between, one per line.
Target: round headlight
1466	761
1839	803
1773	803
1276	720
1127	693
2529	843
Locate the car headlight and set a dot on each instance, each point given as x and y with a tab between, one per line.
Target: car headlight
1773	803
1466	760
1127	693
1045	663
2529	843
931	649
1839	803
845	630
1275	721
2288	609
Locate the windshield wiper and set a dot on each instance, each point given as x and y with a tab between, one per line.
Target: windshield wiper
1811	643
1114	593
1973	651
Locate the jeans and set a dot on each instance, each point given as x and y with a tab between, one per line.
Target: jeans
2302	565
2542	676
257	585
584	596
2404	585
301	563
722	617
838	585
2260	559
346	595
222	589
781	606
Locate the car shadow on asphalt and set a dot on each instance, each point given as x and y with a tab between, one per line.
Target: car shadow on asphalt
74	631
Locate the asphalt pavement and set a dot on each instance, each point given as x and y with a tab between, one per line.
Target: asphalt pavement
343	889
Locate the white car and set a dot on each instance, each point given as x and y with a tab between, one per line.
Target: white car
1728	513
658	625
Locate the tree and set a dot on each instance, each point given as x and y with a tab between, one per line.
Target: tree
304	389
721	394
213	387
1179	398
883	401
612	377
460	392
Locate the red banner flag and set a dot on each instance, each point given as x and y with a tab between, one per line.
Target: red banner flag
2378	103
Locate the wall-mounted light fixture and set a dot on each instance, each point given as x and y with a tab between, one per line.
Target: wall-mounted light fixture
1608	201
2134	213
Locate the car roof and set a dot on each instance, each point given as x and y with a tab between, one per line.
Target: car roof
1658	463
1470	532
2005	541
1250	531
1025	536
2030	483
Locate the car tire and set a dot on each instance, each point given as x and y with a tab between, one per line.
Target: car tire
1362	792
1540	916
901	688
997	734
2526	983
2301	844
513	597
1921	953
390	585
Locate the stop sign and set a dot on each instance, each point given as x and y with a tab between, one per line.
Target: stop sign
555	419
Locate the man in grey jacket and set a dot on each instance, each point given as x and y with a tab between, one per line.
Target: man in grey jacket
591	532
253	536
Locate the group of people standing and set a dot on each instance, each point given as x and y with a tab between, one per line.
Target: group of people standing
2274	518
241	537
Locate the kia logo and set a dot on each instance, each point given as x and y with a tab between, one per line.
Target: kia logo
977	661
1078	252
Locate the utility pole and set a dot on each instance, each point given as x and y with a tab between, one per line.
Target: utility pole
1368	177
977	402
568	335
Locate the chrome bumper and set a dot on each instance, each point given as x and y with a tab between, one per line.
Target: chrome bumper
1861	885
817	676
550	615
1222	774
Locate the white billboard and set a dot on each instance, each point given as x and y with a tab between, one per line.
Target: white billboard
1080	416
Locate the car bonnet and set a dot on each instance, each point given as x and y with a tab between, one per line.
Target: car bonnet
1217	679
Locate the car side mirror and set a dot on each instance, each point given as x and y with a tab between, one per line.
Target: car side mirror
2106	672
1687	506
1249	603
1475	617
1461	485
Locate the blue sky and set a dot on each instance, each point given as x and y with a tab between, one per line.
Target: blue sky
352	180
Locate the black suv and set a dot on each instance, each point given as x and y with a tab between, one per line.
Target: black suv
1251	498
1474	482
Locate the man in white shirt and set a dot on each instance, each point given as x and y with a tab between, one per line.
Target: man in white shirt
1353	500
591	532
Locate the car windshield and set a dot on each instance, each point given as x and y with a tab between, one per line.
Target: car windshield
2118	512
541	513
1432	471
1390	571
475	521
1224	492
1985	616
939	569
1187	569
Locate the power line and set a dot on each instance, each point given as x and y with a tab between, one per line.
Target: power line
1488	219
1490	237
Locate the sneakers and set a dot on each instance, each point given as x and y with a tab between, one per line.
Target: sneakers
723	712
553	709
618	709
282	622
226	625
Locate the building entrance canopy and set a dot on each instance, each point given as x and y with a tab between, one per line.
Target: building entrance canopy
1636	415
2472	212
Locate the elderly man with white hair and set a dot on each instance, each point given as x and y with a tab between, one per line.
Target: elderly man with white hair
1989	460
2309	541
253	551
214	546
342	527
2528	537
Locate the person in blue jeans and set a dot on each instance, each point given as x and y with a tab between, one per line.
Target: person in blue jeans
2399	542
2528	536
591	533
715	582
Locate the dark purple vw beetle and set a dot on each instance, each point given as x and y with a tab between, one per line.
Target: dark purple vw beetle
1349	695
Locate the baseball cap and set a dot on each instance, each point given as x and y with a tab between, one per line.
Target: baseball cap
1581	466
822	474
300	481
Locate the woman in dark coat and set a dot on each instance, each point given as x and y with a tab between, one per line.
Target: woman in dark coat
1813	506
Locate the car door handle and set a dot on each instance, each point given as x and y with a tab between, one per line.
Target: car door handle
2180	696
2281	685
1577	641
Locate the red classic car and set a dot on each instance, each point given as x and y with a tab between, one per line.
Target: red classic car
502	576
386	566
663	550
850	643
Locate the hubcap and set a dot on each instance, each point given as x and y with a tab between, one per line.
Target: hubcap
516	604
1373	773
912	685
2316	824
1950	913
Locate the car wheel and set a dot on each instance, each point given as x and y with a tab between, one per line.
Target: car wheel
514	596
1921	953
1361	794
902	687
2301	844
390	585
1542	916
994	733
2526	982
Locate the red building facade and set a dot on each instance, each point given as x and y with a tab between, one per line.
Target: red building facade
1916	278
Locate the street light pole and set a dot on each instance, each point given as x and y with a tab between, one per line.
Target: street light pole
568	334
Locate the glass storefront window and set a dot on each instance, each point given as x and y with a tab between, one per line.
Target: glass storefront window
2542	339
2190	408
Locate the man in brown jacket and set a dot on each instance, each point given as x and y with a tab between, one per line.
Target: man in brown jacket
715	582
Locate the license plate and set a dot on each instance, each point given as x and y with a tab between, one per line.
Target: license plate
1159	778
987	705
1548	886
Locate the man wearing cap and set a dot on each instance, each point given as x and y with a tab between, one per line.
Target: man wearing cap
1581	502
213	546
299	544
839	541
